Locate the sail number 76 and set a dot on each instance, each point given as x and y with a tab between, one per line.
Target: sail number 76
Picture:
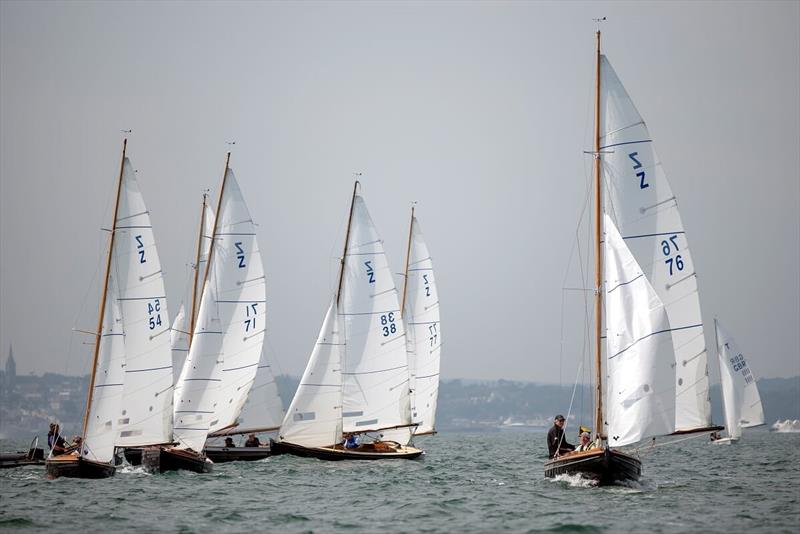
667	246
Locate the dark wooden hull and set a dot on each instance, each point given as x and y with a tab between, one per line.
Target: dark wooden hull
606	466
161	460
236	454
179	459
336	453
73	466
18	459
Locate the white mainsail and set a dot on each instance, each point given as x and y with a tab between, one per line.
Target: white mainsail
646	211
263	410
375	374
640	384
424	333
229	332
740	396
314	418
146	415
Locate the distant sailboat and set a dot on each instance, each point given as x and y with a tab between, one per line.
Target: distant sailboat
356	380
740	398
420	305
656	362
130	399
227	339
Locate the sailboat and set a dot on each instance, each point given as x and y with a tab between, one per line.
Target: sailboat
740	398
179	343
356	380
420	305
228	336
655	356
130	392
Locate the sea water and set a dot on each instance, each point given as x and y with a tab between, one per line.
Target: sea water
464	483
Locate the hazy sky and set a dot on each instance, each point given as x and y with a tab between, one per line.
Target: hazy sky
480	111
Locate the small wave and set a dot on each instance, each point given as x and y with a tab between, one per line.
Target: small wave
16	522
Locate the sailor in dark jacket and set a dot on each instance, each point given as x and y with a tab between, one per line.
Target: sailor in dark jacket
555	438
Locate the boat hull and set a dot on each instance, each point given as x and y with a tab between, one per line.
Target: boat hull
606	466
236	454
73	466
726	441
161	460
336	453
34	456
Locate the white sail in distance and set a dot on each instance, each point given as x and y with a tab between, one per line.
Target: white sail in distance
424	332
263	410
646	212
229	333
375	374
640	374
179	335
314	417
740	396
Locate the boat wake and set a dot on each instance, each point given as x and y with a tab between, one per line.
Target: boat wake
128	469
575	481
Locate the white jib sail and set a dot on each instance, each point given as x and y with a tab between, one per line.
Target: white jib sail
263	409
314	418
640	382
424	332
229	333
646	211
739	391
375	363
179	337
145	417
98	443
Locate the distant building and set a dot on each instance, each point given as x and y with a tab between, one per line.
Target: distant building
11	370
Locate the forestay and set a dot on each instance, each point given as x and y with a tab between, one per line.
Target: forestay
229	332
640	382
375	364
314	418
146	415
424	333
742	402
646	212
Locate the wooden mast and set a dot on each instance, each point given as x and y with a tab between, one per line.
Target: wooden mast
408	258
598	272
216	220
99	332
346	242
193	316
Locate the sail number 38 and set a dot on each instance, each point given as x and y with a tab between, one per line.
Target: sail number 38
387	324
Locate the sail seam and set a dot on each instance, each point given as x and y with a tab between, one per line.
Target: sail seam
653	334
